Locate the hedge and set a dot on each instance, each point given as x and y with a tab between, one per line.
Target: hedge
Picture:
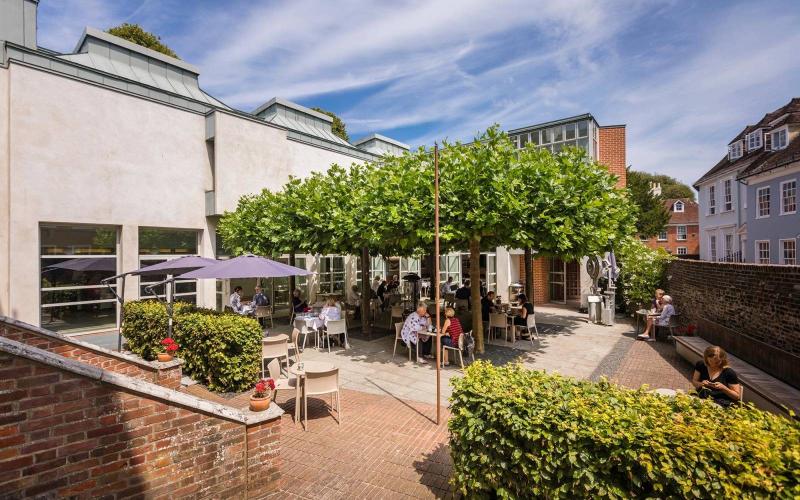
517	433
220	350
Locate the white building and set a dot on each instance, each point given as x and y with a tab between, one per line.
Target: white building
113	157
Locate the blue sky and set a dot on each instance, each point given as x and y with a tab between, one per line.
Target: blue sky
684	77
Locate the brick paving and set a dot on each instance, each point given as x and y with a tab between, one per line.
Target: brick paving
656	364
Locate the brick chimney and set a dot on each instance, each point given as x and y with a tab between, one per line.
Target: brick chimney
18	22
655	188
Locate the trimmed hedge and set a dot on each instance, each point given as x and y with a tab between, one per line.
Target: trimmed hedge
517	433
221	350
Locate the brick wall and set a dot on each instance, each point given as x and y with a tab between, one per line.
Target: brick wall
95	434
541	289
751	310
164	374
612	151
692	241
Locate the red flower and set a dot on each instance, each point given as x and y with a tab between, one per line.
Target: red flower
262	386
172	347
167	341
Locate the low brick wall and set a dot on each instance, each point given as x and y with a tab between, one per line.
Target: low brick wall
70	429
752	310
164	374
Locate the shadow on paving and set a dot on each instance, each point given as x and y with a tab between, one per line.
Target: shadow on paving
435	469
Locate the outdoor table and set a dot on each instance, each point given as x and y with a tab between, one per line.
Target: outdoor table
308	320
646	314
314	366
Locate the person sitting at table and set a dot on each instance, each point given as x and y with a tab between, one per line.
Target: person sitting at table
446	287
376	282
662	319
354	300
714	379
381	292
487	306
235	301
298	304
526	308
451	330
657	305
394	284
260	299
415	330
464	293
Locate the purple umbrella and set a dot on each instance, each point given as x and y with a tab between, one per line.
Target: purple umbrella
246	266
87	265
176	266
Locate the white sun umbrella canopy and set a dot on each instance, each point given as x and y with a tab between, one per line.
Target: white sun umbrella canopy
246	266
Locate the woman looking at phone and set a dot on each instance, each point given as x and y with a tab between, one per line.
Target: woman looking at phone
714	379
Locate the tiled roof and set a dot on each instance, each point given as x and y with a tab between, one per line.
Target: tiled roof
689	214
753	161
776	159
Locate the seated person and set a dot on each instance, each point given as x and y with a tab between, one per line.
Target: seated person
376	282
382	293
487	306
298	304
663	319
657	305
415	330
464	292
260	299
526	308
235	302
394	284
451	330
329	312
714	379
354	300
446	287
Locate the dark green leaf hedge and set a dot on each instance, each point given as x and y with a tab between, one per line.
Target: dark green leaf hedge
220	350
517	433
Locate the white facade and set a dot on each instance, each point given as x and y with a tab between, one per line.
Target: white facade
723	228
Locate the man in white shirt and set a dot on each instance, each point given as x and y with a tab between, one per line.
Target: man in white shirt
447	286
376	282
236	302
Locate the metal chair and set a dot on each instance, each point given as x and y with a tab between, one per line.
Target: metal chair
316	383
263	312
499	320
530	328
274	348
281	383
460	349
335	327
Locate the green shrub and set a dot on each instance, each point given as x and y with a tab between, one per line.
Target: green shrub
642	270
517	433
221	350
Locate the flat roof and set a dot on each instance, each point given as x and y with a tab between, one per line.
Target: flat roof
292	105
585	116
382	138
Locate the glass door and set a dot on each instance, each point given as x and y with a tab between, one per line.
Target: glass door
558	281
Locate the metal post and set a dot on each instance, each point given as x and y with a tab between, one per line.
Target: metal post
436	279
121	315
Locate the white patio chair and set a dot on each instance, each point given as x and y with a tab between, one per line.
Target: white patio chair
264	312
294	344
316	383
274	348
499	321
398	337
397	312
282	384
530	328
335	327
460	349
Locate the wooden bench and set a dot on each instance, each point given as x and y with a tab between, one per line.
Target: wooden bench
760	388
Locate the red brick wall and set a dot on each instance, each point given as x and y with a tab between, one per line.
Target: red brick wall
749	309
612	151
541	289
692	241
62	434
166	375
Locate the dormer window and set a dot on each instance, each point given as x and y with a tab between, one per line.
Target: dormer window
780	138
735	150
678	206
754	140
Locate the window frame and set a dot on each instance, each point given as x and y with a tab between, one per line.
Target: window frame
755	133
712	247
757	255
782	249
678	233
675	207
783	203
685	251
727	195
665	238
775	133
712	199
735	150
759	215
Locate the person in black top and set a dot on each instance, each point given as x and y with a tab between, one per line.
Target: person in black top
527	308
487	306
382	290
714	379
464	292
298	304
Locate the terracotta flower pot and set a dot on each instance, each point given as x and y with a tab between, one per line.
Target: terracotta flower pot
164	357
259	404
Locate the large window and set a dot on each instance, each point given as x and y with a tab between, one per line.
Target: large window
789	252
735	150
712	248
377	267
560	136
450	266
712	200
73	260
158	245
762	202
789	197
728	250
780	138
762	252
331	274
681	233
491	272
728	195
754	140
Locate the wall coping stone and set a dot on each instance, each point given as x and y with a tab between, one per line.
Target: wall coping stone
138	386
130	358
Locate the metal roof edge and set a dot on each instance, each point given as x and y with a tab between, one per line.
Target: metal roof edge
88	31
553	122
381	138
292	105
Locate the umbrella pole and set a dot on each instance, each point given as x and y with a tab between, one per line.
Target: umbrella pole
170	291
436	280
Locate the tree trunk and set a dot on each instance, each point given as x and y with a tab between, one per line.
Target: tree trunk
528	275
475	291
292	279
366	293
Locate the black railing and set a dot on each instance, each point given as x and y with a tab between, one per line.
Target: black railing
732	257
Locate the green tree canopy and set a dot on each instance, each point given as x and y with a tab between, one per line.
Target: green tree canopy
652	216
136	34
670	186
338	127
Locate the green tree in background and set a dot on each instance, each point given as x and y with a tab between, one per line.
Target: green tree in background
653	216
670	186
136	34
338	127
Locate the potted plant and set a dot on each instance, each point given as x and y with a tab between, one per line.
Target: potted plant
262	395
170	347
